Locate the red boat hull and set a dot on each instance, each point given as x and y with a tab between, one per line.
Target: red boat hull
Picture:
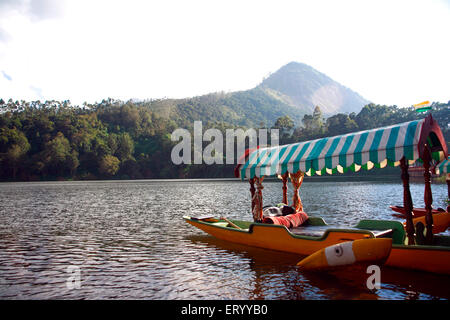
417	212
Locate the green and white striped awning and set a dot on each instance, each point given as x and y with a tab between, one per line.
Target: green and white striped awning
366	149
443	167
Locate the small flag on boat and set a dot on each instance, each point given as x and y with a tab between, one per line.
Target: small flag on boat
423	106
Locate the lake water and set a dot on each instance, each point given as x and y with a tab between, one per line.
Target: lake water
127	240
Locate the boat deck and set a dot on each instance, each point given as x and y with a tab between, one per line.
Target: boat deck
318	231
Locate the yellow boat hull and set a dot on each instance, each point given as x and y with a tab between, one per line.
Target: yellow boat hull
441	221
434	259
276	237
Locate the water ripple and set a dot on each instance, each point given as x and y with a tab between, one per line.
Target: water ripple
128	241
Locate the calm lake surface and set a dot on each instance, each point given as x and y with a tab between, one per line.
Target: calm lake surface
128	240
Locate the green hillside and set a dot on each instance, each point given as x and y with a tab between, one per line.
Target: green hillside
115	139
54	140
294	90
251	108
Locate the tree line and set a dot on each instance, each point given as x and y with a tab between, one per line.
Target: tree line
54	140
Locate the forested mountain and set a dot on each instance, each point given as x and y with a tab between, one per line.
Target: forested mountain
294	90
126	140
129	140
251	108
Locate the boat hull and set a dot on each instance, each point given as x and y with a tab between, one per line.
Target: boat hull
434	258
441	221
276	237
416	212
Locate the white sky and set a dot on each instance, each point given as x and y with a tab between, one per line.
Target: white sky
390	52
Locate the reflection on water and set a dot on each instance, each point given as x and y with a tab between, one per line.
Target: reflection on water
129	241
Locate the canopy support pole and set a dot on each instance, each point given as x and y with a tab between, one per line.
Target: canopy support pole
297	179
258	208
448	190
252	191
428	198
285	178
407	201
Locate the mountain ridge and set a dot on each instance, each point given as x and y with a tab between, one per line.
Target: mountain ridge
294	90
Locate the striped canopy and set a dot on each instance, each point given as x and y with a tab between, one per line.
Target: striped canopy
365	149
443	167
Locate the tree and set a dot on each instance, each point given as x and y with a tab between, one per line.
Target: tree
129	169
109	165
129	116
373	116
72	162
308	122
317	123
313	123
285	125
125	147
13	146
56	153
340	124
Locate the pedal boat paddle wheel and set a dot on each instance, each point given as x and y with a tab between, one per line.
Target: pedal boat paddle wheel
409	246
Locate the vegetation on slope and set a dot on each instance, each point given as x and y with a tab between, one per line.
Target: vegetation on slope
128	140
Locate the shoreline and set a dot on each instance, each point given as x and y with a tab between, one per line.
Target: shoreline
346	178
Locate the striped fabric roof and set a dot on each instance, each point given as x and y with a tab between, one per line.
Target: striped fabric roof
443	167
366	149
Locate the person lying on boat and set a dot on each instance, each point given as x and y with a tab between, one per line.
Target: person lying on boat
284	215
270	211
280	209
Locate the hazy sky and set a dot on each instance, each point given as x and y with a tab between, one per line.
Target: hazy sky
390	52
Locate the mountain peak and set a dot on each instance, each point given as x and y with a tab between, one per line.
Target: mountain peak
301	86
296	65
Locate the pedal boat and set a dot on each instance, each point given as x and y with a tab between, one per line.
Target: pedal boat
312	236
397	145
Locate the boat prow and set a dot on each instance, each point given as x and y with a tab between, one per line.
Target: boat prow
362	251
416	212
441	221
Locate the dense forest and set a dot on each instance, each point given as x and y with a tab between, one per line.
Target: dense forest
54	140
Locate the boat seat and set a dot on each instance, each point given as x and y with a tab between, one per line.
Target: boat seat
312	231
318	231
383	233
220	224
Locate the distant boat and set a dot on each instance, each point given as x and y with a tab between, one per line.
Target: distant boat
418	171
417	212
